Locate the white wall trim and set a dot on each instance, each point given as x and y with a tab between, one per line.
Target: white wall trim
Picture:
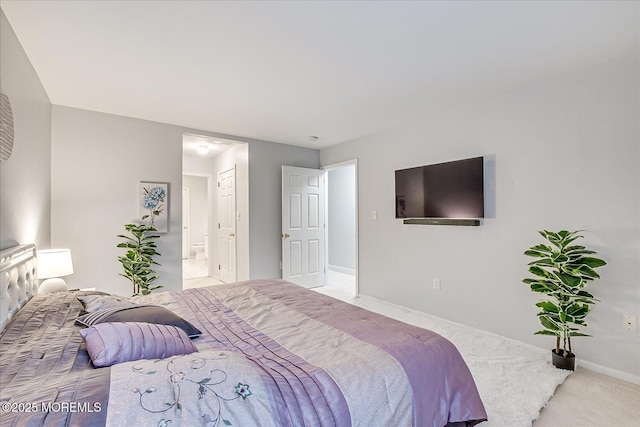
349	271
614	373
341	164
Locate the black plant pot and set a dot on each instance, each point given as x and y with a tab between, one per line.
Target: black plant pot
561	362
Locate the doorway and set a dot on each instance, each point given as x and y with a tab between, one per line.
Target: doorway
342	227
320	227
195	226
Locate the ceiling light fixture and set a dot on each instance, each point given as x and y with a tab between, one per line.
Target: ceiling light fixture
203	149
312	138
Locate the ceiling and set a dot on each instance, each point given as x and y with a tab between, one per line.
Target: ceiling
284	71
197	145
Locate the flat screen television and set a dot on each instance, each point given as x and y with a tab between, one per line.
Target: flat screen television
445	190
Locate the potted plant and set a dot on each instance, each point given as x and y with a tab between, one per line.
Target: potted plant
561	271
137	261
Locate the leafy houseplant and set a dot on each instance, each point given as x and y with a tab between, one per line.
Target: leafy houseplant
561	271
141	248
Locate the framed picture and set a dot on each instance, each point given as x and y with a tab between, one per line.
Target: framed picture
154	204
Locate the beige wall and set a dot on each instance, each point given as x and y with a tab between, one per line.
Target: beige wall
98	161
265	198
566	154
25	188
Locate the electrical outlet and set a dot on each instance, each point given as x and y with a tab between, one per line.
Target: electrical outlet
437	285
629	323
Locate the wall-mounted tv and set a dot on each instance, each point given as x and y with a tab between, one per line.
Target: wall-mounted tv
445	190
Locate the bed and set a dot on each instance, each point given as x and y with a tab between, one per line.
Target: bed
264	353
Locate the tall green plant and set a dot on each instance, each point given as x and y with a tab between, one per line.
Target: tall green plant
137	261
561	272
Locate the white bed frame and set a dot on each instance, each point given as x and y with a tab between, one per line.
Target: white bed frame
18	280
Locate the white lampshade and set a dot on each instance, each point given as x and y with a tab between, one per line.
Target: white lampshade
54	263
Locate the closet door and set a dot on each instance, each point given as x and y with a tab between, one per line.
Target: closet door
227	225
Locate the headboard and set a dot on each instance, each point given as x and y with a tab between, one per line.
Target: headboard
18	280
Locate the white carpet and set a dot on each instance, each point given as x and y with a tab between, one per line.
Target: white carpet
514	382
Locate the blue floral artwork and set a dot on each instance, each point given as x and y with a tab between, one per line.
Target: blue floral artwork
154	202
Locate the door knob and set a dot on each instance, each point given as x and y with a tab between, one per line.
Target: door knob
285	235
232	234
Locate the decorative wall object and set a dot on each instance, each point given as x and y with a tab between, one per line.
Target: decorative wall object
6	128
154	204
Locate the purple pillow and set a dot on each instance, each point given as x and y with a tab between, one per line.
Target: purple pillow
112	343
139	313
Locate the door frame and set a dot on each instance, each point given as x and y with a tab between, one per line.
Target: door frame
186	208
327	168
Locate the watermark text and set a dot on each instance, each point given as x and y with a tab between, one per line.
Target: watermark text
50	407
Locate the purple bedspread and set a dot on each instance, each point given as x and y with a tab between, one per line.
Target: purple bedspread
302	394
46	376
313	360
443	390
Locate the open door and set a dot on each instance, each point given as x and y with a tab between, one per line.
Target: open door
227	225
303	224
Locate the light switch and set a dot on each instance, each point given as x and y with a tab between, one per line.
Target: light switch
374	215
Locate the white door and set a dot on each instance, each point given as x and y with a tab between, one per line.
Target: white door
185	223
227	225
303	222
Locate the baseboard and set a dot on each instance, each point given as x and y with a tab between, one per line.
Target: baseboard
344	270
624	376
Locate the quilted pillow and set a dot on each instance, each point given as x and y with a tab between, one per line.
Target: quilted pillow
139	313
112	343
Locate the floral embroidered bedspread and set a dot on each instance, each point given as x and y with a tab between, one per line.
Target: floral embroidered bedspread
205	388
275	354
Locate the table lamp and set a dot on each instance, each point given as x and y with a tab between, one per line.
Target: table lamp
52	265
